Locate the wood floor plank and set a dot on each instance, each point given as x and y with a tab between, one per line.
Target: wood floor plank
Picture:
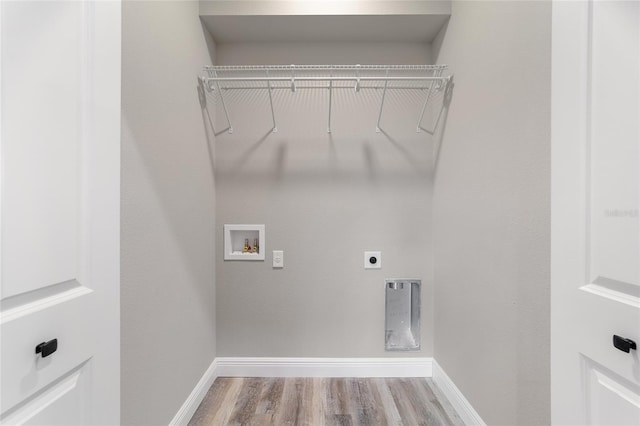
319	401
292	410
340	420
426	413
306	410
221	409
451	412
271	396
363	406
262	420
213	399
324	401
337	401
430	401
246	403
402	402
387	403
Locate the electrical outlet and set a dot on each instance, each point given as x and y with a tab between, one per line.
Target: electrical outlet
372	260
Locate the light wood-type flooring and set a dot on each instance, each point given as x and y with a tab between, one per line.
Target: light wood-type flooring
324	401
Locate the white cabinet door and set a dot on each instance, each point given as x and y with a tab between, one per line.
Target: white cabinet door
595	272
60	207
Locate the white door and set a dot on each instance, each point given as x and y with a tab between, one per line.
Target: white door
595	287
60	128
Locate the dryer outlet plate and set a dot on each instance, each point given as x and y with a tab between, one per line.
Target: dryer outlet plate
372	260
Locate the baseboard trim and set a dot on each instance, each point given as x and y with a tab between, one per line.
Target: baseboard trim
196	396
323	367
465	410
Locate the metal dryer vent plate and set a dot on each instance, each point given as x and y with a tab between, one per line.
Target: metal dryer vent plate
402	315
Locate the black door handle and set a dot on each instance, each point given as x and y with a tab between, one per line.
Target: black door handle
625	345
47	348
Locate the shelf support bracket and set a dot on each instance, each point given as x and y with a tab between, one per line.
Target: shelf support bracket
424	107
224	105
273	116
293	79
330	94
384	94
357	87
426	101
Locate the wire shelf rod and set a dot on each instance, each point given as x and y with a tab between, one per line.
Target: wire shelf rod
380	87
336	78
221	68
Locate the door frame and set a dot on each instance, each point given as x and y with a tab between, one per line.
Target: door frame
570	79
571	109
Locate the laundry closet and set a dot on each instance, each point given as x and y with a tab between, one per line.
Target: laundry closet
335	168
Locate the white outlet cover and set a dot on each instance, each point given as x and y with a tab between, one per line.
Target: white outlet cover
278	259
368	264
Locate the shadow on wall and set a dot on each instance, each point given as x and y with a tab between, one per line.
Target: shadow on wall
144	136
209	129
441	125
438	129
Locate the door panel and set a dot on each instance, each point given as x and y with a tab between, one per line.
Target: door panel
595	288
24	373
610	398
62	402
612	172
43	85
60	127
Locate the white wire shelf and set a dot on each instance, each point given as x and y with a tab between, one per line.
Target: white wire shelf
429	78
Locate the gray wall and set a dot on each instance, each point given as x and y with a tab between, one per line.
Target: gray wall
168	274
324	198
491	215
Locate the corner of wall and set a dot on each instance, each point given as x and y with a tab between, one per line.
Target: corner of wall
491	215
167	210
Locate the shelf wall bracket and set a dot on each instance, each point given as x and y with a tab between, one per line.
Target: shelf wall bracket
384	94
426	101
330	95
273	115
224	105
424	107
293	78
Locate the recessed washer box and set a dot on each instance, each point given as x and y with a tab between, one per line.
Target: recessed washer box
236	237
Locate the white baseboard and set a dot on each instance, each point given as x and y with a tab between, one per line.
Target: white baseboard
196	396
466	412
324	367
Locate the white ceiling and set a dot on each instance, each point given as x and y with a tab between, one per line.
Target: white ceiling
324	28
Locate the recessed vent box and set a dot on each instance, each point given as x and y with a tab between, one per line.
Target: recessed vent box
402	315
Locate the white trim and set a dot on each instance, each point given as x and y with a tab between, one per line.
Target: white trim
466	412
324	367
196	396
